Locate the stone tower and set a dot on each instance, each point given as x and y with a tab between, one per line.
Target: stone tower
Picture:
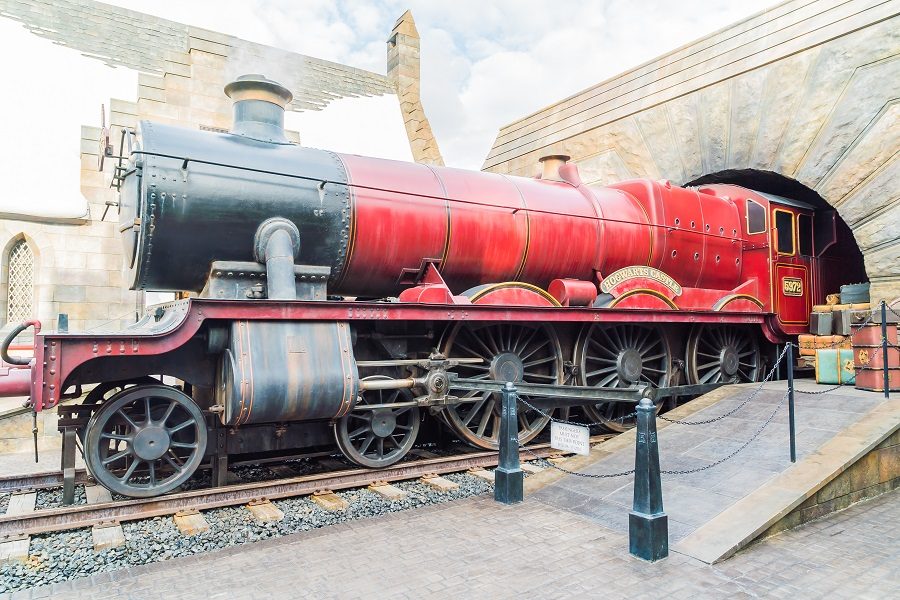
403	71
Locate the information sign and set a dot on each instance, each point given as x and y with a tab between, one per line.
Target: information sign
570	438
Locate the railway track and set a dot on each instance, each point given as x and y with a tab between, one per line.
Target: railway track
87	515
52	479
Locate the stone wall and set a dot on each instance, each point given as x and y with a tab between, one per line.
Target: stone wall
808	90
77	271
874	474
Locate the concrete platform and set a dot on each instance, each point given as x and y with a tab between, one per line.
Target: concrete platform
720	509
478	549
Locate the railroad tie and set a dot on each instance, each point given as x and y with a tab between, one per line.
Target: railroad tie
423	453
190	522
439	483
107	534
264	511
531	469
482	474
15	547
332	464
329	501
387	491
557	458
283	471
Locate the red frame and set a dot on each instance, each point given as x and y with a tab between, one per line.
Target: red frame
61	354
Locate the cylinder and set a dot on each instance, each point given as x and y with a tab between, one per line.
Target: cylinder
278	371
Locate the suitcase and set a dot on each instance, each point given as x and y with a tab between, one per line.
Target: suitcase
835	366
841	322
820	323
873	379
854	293
807	345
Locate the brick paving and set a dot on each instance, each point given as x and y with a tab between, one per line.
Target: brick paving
478	549
692	500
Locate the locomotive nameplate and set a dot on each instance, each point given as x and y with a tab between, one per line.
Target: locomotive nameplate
792	286
570	438
639	272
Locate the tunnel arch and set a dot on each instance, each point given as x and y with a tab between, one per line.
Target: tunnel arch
847	251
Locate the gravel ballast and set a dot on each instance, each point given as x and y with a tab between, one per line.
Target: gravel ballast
58	557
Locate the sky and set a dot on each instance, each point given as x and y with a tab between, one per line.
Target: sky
485	63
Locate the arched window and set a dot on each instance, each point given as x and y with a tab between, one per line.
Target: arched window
20	283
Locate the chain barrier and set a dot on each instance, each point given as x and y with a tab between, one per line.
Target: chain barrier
735	453
547	463
564	421
752	395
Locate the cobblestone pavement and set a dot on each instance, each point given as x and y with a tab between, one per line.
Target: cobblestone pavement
478	549
693	499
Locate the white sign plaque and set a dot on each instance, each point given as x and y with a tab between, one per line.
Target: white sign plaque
570	438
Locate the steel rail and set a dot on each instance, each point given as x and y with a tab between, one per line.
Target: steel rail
87	515
28	482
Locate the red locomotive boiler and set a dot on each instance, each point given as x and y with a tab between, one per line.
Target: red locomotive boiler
344	299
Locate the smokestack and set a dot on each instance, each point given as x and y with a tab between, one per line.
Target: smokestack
550	166
259	108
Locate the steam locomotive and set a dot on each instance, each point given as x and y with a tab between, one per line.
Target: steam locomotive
340	299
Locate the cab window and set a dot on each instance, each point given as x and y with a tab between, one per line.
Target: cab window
805	234
756	218
784	223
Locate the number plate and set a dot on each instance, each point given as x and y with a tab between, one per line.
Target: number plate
570	438
792	286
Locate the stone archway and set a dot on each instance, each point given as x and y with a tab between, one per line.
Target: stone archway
809	92
848	254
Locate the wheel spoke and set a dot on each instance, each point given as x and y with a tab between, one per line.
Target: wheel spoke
600	371
485	417
115	436
366	443
606	380
151	466
180	426
128	419
359	431
130	471
538	347
539	361
168	413
173	459
476	407
182	445
527	341
116	456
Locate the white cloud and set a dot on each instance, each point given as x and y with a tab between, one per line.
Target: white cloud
366	126
56	90
484	64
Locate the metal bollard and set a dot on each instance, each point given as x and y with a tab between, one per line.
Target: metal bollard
792	433
508	476
884	350
648	525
